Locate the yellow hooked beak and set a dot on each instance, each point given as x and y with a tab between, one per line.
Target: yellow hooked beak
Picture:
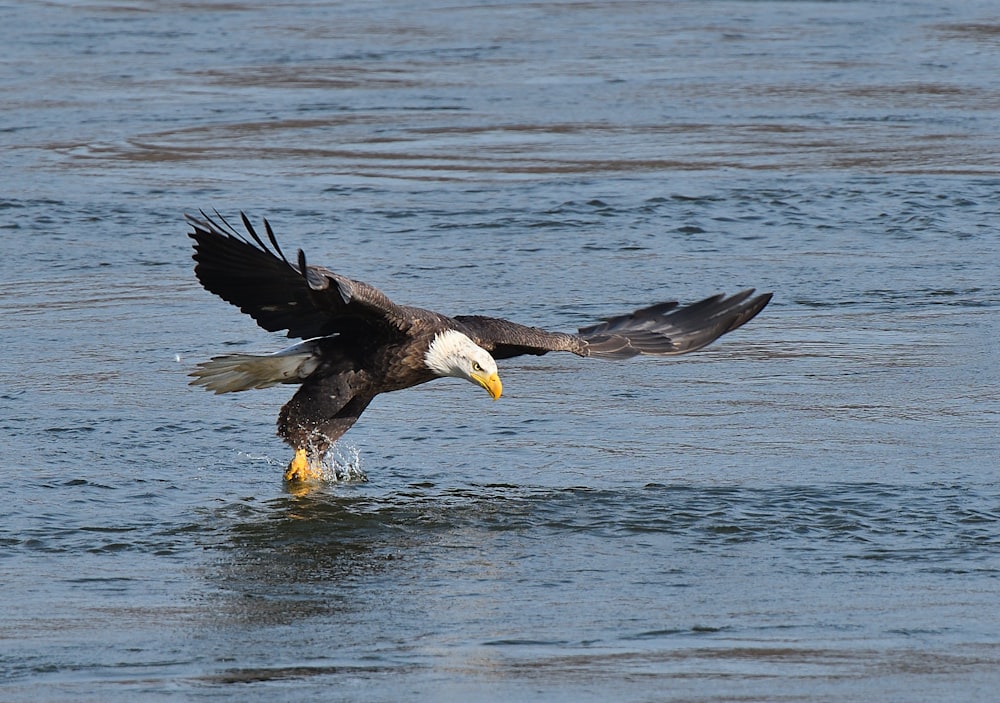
491	383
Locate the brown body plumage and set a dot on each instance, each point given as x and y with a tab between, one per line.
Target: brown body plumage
359	343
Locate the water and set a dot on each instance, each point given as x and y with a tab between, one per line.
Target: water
808	510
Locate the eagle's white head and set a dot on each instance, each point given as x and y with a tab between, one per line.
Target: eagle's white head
451	353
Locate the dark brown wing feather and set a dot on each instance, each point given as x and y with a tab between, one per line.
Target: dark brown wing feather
504	339
667	330
307	301
664	329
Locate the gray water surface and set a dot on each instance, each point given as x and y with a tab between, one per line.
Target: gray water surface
808	510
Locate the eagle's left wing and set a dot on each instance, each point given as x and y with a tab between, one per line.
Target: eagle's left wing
308	301
664	329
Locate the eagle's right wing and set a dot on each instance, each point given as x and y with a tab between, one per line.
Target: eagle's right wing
664	329
307	301
505	339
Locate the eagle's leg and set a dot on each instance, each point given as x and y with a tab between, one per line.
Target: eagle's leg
302	469
318	414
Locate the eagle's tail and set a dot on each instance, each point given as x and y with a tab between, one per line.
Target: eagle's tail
241	372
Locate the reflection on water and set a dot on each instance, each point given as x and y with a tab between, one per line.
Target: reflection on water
807	510
327	570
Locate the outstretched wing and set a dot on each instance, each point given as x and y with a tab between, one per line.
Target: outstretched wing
504	339
664	329
307	301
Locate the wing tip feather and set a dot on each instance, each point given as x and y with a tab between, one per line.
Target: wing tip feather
664	329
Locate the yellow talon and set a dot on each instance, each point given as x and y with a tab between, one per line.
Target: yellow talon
301	469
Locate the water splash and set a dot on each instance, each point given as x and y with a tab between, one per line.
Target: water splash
342	464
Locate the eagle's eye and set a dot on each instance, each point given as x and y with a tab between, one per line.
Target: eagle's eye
476	367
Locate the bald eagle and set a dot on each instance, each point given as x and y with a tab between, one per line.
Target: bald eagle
357	343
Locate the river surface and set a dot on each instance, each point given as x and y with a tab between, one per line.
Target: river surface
809	510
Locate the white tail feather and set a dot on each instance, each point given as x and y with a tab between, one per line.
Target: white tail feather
241	372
